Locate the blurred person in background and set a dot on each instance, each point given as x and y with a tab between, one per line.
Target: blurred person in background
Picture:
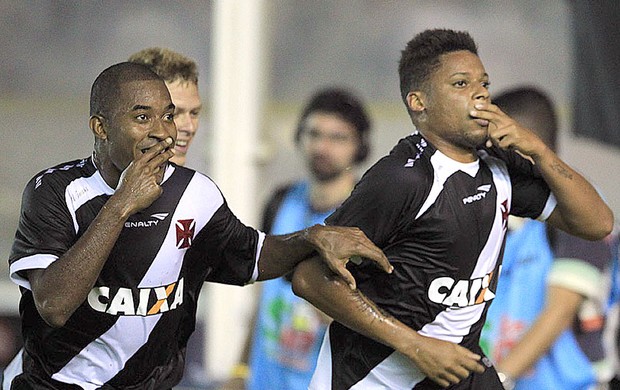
181	76
544	329
333	137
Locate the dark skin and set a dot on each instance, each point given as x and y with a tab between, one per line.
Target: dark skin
454	112
444	362
133	143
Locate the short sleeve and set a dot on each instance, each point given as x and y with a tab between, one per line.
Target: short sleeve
382	200
228	249
531	196
45	230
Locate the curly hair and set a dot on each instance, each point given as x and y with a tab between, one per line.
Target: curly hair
168	64
422	56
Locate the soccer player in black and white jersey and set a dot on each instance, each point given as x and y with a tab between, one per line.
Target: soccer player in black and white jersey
438	205
111	251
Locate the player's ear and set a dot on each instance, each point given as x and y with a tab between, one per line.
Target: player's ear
96	124
415	101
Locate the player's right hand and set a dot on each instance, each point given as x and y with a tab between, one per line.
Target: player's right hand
444	362
337	245
139	184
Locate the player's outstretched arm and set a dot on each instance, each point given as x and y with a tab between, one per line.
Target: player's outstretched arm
335	245
444	362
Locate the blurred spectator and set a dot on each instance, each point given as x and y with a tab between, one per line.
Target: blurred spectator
181	76
333	137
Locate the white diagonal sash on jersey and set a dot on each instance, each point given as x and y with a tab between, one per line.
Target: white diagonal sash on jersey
454	323
97	361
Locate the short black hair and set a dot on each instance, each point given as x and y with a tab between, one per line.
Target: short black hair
422	55
531	102
346	105
105	88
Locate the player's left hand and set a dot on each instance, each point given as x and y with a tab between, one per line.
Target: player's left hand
337	245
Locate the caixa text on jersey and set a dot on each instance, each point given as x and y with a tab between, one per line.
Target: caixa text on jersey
136	301
461	293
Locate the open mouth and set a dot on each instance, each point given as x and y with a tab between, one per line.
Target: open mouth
481	122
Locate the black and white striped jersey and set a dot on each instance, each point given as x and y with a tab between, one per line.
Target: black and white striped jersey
132	330
441	223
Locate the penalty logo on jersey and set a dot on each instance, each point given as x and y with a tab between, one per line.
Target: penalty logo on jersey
185	232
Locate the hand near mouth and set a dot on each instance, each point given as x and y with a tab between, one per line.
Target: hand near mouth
139	184
507	133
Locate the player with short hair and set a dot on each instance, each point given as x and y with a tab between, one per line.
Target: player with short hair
112	250
438	206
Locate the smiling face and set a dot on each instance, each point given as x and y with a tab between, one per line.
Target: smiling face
457	84
186	99
142	117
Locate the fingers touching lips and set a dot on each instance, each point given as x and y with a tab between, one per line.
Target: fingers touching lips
168	142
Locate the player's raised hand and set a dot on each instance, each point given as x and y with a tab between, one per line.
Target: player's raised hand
507	133
139	184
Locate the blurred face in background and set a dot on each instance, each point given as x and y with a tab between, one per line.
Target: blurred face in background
330	145
186	99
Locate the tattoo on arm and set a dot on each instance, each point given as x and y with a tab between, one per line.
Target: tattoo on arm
561	169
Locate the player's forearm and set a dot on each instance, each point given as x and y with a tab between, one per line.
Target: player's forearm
583	212
329	293
64	285
441	361
335	245
281	253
